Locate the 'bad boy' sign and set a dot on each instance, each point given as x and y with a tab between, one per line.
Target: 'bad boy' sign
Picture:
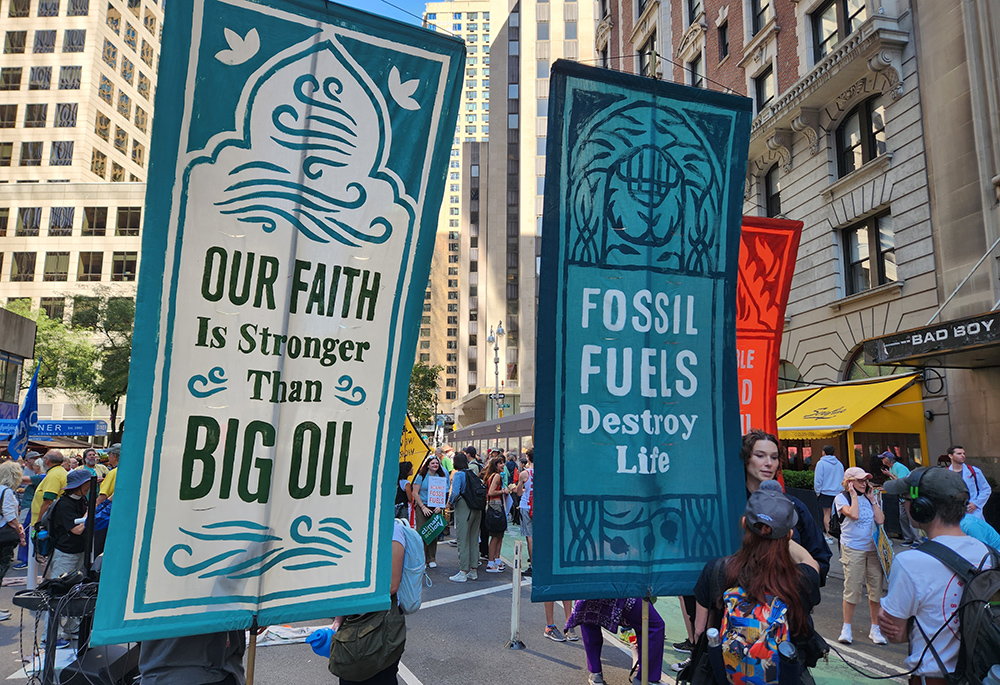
637	480
290	220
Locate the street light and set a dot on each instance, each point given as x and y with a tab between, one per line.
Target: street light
495	341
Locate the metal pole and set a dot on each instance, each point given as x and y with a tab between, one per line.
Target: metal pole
515	604
644	643
252	652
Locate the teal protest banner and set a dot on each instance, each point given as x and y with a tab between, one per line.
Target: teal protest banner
298	163
637	474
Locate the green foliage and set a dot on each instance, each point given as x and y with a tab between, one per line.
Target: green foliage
798	479
422	398
113	326
68	356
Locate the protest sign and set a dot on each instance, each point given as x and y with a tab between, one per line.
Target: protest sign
412	447
437	491
637	476
290	221
767	262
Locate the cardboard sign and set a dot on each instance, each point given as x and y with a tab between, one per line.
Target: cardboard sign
437	491
290	221
637	414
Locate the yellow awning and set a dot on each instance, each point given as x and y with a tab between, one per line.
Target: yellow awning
812	413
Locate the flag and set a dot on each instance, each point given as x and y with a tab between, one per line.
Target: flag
26	420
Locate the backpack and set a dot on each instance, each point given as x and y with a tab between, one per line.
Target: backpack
474	492
836	518
410	591
978	614
42	531
750	635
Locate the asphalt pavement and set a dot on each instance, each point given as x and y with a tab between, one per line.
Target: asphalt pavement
460	637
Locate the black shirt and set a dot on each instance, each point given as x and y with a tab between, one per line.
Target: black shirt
63	520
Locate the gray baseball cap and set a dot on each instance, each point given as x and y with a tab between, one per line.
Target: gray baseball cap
769	506
933	482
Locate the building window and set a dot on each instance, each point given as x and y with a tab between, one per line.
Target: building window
140	119
19	9
85	311
45	42
106	90
121	140
28	221
114	19
99	163
134	6
723	40
789	376
54	307
764	88
66	115
694	11
8	116
129	219
870	254
14	42
123	266
40	78
147	53
834	21
759	14
31	154
35	115
124	105
10	78
861	137
697	69
74	40
90	265
69	78
78	8
61	153
772	192
22	267
95	221
149	21
128	70
138	153
131	37
6	153
647	56
56	266
102	126
48	8
571	30
117	173
143	86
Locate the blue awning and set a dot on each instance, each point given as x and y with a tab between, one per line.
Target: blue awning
56	428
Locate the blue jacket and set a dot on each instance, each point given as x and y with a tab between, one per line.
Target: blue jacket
828	478
457	485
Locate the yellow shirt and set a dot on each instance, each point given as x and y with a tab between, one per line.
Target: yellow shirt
51	488
108	486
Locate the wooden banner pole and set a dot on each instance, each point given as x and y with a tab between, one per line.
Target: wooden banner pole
644	644
252	651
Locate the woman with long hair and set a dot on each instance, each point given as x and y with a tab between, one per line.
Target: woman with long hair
466	521
495	491
860	513
404	491
768	565
430	468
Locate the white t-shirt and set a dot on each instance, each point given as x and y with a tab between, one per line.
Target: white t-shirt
857	534
525	503
922	586
397	533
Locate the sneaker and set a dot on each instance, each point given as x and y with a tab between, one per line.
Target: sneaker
433	564
459	577
829	540
491	568
683	647
20	565
678	667
62	643
527	573
595	679
845	635
571	635
473	574
483	557
4	615
876	636
553	633
453	543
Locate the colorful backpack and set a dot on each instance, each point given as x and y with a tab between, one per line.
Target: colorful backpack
751	633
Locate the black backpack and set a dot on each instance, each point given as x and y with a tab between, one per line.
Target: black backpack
836	518
474	492
978	614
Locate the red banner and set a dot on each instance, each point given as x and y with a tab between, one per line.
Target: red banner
767	261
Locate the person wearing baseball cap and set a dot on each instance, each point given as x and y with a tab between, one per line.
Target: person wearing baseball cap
921	586
860	513
768	564
67	523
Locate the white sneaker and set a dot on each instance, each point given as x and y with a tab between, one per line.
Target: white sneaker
845	635
459	577
473	574
433	564
876	636
595	679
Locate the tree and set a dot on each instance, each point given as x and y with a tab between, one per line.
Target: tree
422	398
67	356
113	325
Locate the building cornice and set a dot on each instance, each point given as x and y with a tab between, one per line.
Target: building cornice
603	33
645	24
692	41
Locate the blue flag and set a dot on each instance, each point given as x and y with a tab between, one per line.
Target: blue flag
26	420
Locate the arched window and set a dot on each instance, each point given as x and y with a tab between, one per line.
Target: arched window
859	369
772	192
789	376
861	136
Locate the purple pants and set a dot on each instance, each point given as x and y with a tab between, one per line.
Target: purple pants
593	640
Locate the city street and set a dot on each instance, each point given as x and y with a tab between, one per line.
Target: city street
460	634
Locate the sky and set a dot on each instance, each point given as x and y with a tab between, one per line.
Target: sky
388	8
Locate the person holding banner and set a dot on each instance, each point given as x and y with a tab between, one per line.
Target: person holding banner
593	614
466	521
861	511
430	487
